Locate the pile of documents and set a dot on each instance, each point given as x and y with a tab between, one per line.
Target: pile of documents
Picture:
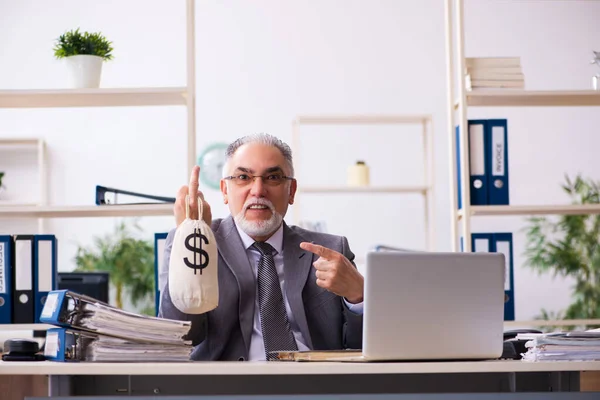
494	73
89	330
562	346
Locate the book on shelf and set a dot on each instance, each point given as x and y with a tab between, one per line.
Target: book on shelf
494	73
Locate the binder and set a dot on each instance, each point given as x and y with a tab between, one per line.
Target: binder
70	345
159	251
68	309
482	242
498	184
23	280
64	344
458	169
6	262
500	243
479	146
479	162
503	243
102	197
45	275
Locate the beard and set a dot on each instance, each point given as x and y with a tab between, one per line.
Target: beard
258	227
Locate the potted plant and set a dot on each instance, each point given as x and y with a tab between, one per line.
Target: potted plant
130	263
570	247
84	54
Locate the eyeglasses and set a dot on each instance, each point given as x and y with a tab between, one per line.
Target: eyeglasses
269	180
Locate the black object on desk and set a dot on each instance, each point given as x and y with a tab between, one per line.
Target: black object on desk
513	347
22	350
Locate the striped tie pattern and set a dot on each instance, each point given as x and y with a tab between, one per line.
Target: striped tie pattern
276	332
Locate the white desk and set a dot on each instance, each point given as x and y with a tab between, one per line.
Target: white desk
302	377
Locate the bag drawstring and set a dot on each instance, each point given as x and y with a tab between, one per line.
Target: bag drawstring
187	207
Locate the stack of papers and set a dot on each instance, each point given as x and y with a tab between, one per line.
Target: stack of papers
562	346
123	324
110	349
90	330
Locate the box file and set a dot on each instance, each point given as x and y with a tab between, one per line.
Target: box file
159	250
45	274
500	243
6	292
498	183
23	308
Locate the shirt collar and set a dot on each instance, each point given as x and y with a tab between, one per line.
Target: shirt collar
276	239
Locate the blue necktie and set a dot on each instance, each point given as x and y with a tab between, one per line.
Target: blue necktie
276	332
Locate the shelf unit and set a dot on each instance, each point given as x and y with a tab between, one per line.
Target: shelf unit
458	104
40	146
109	97
426	190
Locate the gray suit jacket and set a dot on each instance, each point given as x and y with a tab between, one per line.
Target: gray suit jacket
224	333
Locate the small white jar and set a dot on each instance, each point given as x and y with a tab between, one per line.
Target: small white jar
358	174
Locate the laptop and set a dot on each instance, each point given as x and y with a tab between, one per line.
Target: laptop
423	306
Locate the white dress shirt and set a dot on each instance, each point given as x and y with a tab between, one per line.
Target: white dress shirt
257	346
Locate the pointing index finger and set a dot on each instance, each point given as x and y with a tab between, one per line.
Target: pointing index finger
319	250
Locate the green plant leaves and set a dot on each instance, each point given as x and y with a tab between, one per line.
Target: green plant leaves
128	260
73	43
570	247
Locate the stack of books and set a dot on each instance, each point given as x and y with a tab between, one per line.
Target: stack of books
562	346
494	73
90	330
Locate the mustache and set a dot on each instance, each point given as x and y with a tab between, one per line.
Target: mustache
259	201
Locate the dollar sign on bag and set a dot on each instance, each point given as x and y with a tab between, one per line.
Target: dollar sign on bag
199	253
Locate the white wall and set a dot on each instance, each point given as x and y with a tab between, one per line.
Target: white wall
260	64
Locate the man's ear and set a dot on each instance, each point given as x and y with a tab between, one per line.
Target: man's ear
224	191
293	187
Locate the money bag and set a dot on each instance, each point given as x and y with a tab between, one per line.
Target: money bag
193	278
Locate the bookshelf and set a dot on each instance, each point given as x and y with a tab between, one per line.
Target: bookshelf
426	190
105	97
458	102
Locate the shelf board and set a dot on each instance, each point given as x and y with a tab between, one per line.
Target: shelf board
109	97
524	98
137	210
20	141
567	209
361	119
363	189
25	327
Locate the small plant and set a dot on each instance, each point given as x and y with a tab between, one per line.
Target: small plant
1	176
130	263
570	247
74	43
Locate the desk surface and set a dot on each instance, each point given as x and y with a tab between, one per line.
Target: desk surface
288	368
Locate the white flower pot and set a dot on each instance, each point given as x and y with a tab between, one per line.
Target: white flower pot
84	71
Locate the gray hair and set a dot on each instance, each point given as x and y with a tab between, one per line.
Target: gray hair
262	138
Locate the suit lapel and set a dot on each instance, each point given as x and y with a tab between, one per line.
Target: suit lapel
296	266
232	250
